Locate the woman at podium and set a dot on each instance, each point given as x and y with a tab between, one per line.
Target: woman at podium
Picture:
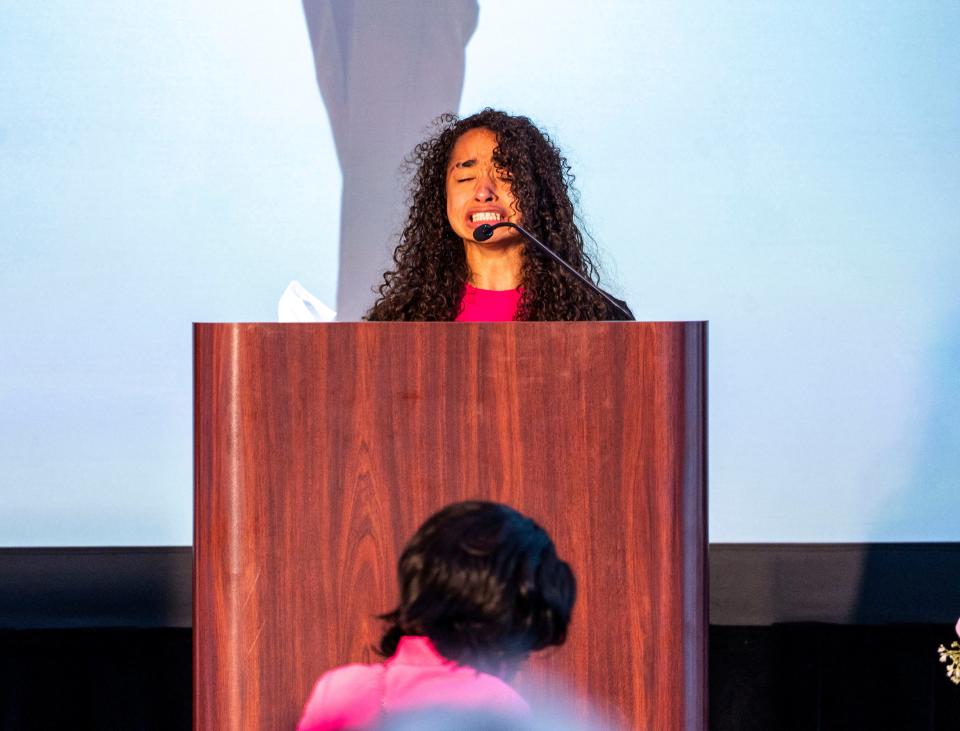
487	169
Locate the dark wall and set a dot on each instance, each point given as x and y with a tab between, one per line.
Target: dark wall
95	678
838	636
795	676
750	584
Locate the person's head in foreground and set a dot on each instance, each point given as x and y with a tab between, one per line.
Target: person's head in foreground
481	587
486	168
485	584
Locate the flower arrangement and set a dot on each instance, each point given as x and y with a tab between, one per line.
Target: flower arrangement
952	658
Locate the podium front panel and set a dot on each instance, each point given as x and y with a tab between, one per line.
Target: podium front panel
319	450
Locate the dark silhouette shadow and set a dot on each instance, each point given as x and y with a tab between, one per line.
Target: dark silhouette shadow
385	70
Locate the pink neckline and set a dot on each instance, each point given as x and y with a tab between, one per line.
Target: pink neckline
492	292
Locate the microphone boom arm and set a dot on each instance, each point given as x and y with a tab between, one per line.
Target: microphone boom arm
485	231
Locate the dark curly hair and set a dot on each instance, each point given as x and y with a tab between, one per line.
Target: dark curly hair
485	584
431	271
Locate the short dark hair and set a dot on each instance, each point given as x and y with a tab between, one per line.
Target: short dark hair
485	584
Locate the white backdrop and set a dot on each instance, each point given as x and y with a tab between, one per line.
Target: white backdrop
790	173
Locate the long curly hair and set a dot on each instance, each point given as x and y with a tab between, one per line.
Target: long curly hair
431	273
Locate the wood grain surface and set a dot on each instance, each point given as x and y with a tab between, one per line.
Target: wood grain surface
319	449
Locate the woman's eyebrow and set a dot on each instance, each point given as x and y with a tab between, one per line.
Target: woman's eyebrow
465	164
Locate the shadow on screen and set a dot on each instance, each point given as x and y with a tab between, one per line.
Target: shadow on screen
385	71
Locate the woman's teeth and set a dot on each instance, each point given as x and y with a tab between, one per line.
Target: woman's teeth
485	216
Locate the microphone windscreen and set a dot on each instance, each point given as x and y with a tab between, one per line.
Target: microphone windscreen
482	232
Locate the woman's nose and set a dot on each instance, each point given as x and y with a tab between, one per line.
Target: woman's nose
486	189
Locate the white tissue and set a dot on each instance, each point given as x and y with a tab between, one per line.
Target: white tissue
298	305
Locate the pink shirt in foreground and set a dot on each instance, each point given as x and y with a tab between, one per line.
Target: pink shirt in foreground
354	696
488	305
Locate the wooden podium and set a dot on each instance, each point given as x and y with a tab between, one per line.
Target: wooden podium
319	449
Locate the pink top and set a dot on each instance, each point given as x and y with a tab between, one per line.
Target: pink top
488	305
417	676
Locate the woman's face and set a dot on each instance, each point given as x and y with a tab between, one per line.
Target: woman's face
477	192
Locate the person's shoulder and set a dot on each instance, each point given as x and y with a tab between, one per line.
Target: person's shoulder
344	697
624	314
478	689
502	695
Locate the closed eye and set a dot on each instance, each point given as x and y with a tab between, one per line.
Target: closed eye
464	180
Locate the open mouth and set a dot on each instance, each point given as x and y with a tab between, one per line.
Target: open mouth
486	217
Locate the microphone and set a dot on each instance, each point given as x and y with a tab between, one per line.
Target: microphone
485	230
